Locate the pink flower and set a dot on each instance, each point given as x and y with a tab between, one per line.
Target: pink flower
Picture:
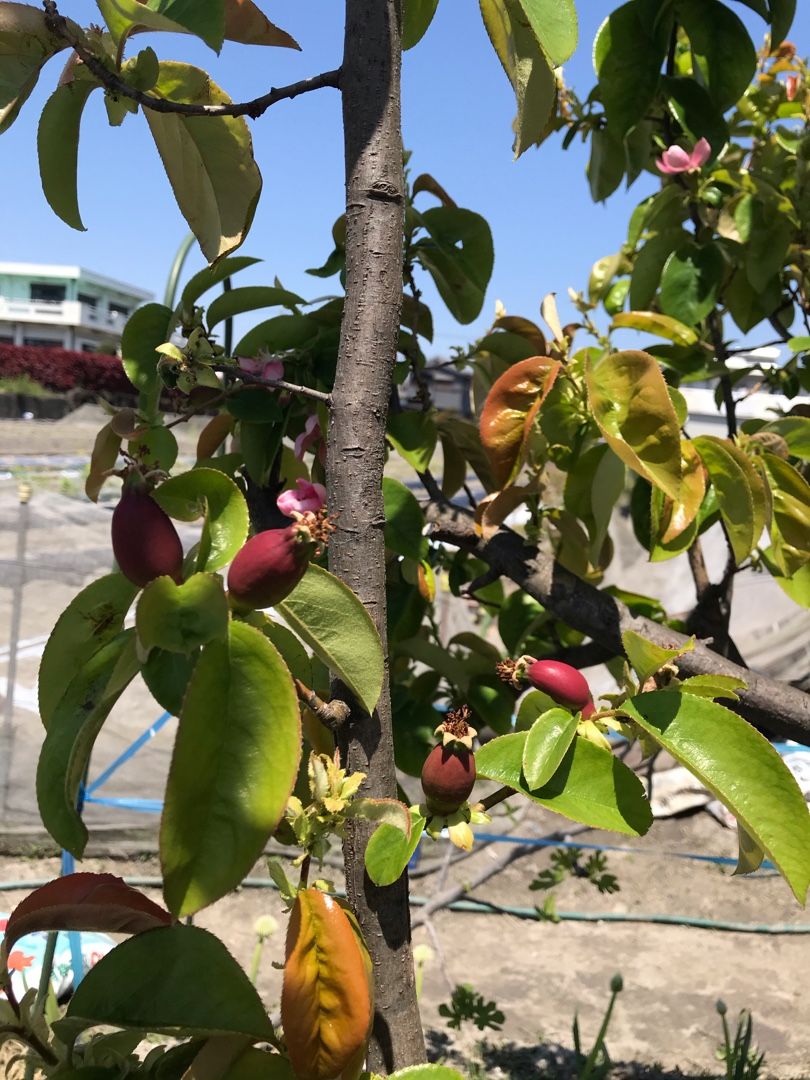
791	86
262	365
676	160
308	438
309	496
19	961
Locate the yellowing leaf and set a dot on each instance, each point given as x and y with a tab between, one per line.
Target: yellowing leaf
326	1000
630	403
681	512
25	45
740	492
246	23
652	323
208	159
509	411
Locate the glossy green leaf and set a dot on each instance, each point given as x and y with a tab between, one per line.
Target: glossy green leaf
213	495
417	15
546	745
209	161
404	520
206	21
696	113
278	334
234	765
590	786
167	675
329	618
554	23
426	1072
740	492
292	651
651	322
458	256
628	53
92	619
25	46
690	282
248	298
58	148
413	435
649	264
146	328
389	850
750	854
181	618
713	686
144	983
791	503
721	47
741	768
527	68
796	585
74	726
532	706
210	276
630	403
606	164
646	657
782	14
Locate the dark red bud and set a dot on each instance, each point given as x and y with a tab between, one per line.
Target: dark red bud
448	777
144	540
268	567
588	709
560	681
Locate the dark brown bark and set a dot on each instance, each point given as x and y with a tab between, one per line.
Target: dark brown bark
774	707
356	447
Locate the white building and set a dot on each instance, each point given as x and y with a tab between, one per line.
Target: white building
64	307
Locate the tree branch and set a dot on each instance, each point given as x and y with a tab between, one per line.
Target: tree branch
332	714
59	25
275	384
776	707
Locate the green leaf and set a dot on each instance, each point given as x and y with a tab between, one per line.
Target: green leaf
26	44
255	1064
206	21
213	495
58	148
605	165
696	113
208	159
750	853
389	850
713	686
532	706
210	276
799	344
167	675
413	435
690	282
426	1072
234	765
782	14
741	768
293	652
546	745
458	256
144	983
554	23
181	618
527	68
740	490
628	52
404	520
74	726
646	657
248	298
91	620
146	329
590	786
796	586
417	15
767	247
329	618
721	49
630	403
651	322
278	334
649	263
791	504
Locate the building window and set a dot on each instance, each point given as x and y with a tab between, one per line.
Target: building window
4	340
44	343
118	309
90	301
51	294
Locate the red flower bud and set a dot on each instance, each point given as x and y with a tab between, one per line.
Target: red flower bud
448	777
269	566
144	540
560	681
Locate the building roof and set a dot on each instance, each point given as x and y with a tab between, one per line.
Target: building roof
49	270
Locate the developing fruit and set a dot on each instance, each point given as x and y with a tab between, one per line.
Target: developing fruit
270	565
144	540
448	775
560	681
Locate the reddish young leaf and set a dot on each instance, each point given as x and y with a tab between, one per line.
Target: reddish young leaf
510	409
326	1000
97	902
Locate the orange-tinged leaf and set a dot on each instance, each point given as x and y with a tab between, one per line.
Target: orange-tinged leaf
102	461
681	512
509	411
516	324
494	509
326	1000
246	23
213	435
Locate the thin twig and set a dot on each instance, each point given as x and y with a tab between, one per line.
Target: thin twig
332	714
59	25
275	384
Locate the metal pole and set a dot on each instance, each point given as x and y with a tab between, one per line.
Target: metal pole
24	495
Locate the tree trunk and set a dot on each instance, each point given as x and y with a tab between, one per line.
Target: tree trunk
356	446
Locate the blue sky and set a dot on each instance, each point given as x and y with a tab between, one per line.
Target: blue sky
457	114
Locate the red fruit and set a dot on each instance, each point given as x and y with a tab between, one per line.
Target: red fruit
144	540
268	567
560	681
448	777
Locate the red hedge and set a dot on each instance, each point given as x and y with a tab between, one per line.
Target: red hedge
62	370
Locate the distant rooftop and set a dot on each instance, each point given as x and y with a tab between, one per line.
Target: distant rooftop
48	270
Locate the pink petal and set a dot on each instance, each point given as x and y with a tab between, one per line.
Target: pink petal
701	154
676	158
273	369
664	168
